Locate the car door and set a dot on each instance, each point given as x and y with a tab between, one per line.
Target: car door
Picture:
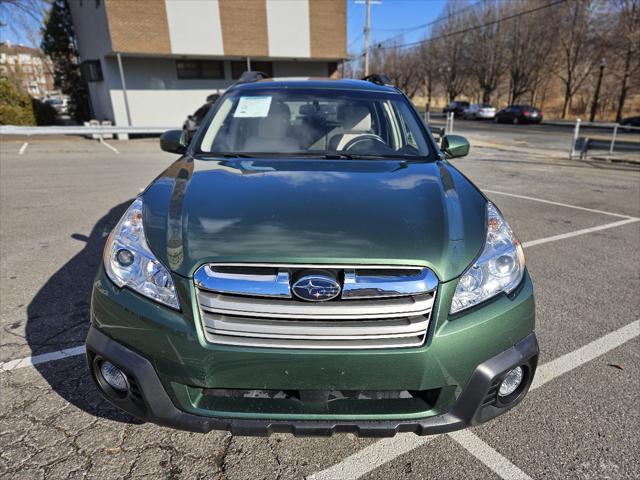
512	111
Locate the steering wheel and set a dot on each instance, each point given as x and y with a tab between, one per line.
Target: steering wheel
362	138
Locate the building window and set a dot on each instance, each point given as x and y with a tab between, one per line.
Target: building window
91	70
190	69
238	67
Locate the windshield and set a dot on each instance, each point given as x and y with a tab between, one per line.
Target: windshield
312	122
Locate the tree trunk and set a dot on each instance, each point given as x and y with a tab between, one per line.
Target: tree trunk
429	90
567	99
621	99
623	87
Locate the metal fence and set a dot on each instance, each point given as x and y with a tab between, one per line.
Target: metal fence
100	130
605	139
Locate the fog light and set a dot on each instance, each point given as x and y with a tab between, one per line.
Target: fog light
114	377
511	382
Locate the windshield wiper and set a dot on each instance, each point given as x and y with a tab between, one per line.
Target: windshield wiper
231	155
336	156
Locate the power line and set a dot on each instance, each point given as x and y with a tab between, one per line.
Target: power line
433	22
476	27
355	40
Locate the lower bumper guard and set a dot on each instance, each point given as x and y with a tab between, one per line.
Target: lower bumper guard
477	403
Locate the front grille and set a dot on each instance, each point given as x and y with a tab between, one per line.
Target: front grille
252	305
318	402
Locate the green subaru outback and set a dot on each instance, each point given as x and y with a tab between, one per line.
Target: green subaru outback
313	264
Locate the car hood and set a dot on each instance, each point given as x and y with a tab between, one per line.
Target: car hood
314	211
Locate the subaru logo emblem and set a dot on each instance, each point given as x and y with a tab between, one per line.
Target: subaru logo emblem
316	288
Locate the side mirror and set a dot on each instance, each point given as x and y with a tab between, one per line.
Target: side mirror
173	141
454	146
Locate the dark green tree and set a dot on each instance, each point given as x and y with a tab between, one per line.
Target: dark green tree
15	107
59	42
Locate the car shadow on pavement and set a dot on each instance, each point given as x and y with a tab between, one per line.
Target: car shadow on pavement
58	318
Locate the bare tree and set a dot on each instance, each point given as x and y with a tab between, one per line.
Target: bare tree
485	48
427	66
23	17
529	48
579	52
450	51
523	49
401	65
626	49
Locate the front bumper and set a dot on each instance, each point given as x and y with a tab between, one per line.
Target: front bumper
188	373
477	403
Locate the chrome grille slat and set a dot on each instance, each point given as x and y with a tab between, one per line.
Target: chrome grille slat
268	285
312	337
314	329
251	305
317	344
359	286
268	308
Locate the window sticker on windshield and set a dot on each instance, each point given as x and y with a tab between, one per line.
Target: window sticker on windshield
249	107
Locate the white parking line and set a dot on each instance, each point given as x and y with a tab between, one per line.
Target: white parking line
383	451
487	455
550	202
577	233
373	456
569	361
359	464
110	147
43	358
23	148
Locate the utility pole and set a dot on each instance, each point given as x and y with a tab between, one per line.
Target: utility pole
367	31
596	95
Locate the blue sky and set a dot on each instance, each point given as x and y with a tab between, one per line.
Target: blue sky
390	18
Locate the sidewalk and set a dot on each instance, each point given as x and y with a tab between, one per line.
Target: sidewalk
628	157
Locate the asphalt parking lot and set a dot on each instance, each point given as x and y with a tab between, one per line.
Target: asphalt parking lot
579	222
553	138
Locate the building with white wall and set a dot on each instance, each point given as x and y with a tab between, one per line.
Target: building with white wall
172	54
28	68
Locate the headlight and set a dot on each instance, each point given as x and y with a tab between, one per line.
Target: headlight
499	268
129	262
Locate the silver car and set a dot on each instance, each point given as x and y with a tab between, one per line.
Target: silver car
479	111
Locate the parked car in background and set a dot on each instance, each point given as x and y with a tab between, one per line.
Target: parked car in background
457	107
479	111
193	121
313	264
59	104
519	114
633	122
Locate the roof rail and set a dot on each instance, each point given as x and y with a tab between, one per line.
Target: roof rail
379	79
251	76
